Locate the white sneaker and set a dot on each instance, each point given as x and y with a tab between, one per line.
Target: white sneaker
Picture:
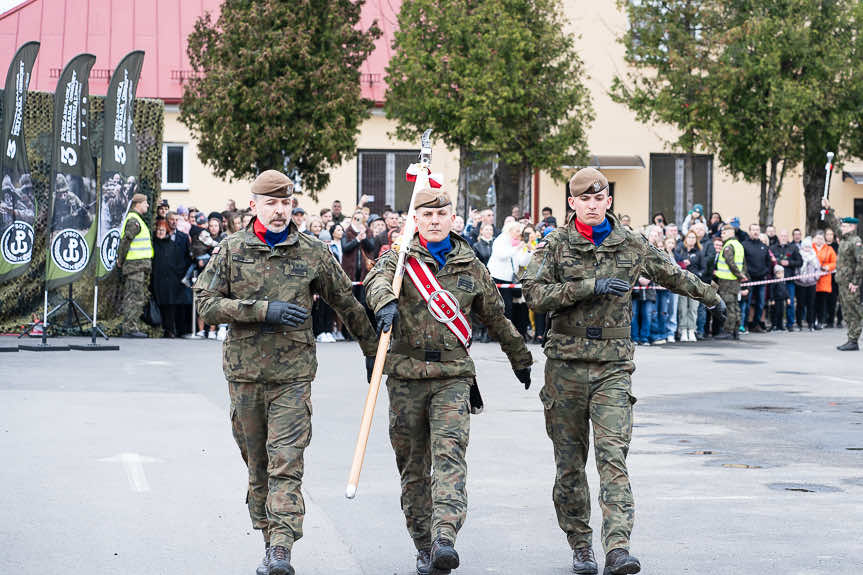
670	339
692	337
201	334
658	342
223	333
338	335
332	337
211	335
320	338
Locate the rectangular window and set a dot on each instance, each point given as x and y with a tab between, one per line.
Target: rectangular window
675	187
175	166
381	175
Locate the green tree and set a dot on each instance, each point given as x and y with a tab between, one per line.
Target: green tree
668	48
498	76
834	69
277	85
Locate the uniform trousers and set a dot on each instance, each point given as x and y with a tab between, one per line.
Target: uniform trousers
135	275
852	311
429	431
577	394
272	425
729	291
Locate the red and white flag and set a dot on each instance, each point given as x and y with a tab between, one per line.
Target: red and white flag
435	180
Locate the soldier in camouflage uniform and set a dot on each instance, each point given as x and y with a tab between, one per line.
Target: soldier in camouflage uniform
430	376
261	281
582	275
135	273
849	275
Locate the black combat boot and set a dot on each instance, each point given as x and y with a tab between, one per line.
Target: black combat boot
584	562
849	345
443	556
264	567
724	335
423	562
620	562
280	561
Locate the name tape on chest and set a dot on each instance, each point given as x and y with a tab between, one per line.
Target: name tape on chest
441	304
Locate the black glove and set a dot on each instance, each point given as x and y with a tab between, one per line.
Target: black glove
286	313
720	311
611	286
387	317
370	365
523	376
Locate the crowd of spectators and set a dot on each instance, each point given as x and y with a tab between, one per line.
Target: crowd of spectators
184	240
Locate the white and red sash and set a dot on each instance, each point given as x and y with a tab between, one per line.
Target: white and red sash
441	303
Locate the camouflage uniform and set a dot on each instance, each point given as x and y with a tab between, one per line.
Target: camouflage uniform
430	374
849	269
269	368
136	279
729	290
590	364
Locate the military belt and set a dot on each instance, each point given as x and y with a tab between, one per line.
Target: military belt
593	332
429	354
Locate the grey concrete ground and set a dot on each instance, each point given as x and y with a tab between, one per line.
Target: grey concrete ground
746	457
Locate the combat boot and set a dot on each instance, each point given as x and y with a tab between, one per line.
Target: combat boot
849	345
620	562
423	562
443	556
264	567
280	561
584	562
725	335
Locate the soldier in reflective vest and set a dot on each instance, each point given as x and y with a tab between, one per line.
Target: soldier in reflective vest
134	261
729	273
430	371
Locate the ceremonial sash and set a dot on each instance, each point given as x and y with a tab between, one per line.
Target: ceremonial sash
441	304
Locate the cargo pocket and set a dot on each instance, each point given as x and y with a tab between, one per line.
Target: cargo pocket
547	398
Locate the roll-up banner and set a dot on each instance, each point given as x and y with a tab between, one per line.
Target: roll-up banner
17	198
74	194
119	174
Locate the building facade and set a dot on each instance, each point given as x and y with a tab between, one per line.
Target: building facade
647	176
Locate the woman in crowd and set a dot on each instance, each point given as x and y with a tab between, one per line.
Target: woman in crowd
508	254
690	258
169	266
824	287
316	226
482	247
666	301
833	313
805	286
644	300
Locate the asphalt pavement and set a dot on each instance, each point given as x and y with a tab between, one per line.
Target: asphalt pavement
745	457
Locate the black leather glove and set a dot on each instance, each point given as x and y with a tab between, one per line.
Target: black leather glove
523	376
286	313
611	286
370	366
720	311
387	317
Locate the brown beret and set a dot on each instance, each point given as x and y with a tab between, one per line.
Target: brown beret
587	181
431	198
138	198
274	184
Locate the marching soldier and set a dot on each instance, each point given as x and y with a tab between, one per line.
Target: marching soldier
134	259
582	275
849	275
431	373
261	281
729	274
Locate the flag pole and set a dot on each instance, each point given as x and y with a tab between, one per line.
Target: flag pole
422	182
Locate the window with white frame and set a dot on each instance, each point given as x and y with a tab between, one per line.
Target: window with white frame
175	166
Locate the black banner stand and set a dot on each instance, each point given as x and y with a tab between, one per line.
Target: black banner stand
93	346
45	346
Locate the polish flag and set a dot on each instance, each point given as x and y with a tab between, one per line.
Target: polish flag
435	180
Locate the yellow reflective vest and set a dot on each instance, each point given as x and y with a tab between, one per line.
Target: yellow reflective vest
141	247
724	272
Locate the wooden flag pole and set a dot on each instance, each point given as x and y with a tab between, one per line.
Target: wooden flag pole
422	182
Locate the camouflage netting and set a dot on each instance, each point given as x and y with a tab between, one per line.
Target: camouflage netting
21	298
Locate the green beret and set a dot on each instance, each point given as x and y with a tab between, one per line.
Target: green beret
850	220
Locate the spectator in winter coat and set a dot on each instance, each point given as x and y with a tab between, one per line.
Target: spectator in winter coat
810	271
690	258
507	256
758	267
787	255
779	295
696	215
483	245
824	287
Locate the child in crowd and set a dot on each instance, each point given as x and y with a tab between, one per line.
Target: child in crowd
779	295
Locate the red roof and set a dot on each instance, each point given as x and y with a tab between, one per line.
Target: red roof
112	28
